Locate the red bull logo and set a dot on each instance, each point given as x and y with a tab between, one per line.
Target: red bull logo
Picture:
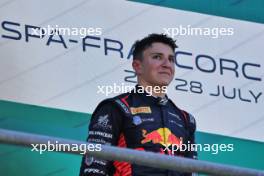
161	136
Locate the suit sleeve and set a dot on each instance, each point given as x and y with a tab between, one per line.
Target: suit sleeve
192	129
104	128
192	153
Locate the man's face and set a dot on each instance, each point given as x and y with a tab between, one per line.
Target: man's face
157	66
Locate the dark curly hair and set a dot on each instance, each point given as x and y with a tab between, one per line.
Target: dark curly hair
141	45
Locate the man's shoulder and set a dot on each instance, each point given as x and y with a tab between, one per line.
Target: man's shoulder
119	102
112	100
123	95
188	116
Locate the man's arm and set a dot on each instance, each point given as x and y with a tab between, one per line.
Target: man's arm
192	129
104	128
192	153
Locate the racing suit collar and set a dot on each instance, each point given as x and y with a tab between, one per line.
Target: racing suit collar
150	98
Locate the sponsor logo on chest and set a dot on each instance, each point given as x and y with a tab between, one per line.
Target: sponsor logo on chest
142	109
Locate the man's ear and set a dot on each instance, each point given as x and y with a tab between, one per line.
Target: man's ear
137	66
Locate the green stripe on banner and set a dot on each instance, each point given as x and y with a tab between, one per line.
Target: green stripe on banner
238	9
73	125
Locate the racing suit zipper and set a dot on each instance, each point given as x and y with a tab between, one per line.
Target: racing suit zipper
164	135
163	126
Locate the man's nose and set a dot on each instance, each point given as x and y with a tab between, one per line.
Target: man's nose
167	63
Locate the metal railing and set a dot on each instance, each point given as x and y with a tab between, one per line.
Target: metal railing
133	156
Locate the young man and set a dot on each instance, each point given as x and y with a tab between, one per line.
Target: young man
144	119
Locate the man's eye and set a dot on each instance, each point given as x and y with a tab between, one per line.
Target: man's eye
172	59
156	57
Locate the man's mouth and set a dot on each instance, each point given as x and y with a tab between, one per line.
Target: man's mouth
165	73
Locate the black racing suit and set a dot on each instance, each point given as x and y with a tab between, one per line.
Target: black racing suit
138	121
